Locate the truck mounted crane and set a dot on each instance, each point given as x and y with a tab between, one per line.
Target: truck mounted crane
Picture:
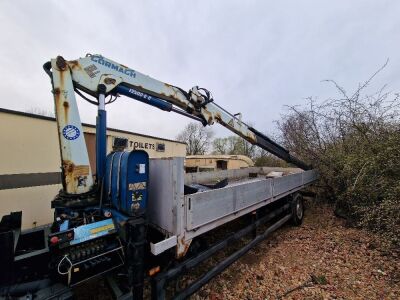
101	221
100	77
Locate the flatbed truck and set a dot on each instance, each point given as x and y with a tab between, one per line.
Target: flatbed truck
140	217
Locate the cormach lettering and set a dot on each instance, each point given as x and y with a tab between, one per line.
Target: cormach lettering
101	61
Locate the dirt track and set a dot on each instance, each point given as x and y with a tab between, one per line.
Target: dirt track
322	259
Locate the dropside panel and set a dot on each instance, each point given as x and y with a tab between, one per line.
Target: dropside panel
287	183
209	206
210	209
309	176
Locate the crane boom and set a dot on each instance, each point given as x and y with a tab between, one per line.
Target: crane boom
100	77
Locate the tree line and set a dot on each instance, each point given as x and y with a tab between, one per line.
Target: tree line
200	140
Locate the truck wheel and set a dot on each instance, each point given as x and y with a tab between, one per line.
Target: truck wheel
297	208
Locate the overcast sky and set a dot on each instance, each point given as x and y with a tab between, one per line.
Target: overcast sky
255	56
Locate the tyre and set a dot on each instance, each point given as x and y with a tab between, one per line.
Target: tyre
297	208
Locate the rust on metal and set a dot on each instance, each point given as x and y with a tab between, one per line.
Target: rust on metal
74	174
207	116
61	63
174	89
251	137
74	64
154	271
66	110
57	95
218	117
68	168
182	244
109	80
175	95
62	107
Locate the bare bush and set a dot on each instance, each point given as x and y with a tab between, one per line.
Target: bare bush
266	159
354	142
234	145
197	138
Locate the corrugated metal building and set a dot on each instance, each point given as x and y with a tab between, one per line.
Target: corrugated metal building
30	161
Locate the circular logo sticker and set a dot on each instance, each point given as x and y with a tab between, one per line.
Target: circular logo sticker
71	132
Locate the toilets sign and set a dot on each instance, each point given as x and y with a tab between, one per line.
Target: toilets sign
142	145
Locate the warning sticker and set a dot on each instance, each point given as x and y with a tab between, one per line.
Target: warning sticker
137	186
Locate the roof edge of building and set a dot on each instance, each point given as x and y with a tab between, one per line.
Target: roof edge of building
241	157
35	116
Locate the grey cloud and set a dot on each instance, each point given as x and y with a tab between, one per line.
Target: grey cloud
255	56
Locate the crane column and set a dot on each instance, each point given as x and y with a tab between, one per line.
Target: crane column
101	134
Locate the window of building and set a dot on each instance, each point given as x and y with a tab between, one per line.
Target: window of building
120	143
222	164
191	169
160	147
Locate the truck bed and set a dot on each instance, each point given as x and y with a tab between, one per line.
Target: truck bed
183	217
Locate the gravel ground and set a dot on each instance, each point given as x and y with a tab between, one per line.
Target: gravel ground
322	259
